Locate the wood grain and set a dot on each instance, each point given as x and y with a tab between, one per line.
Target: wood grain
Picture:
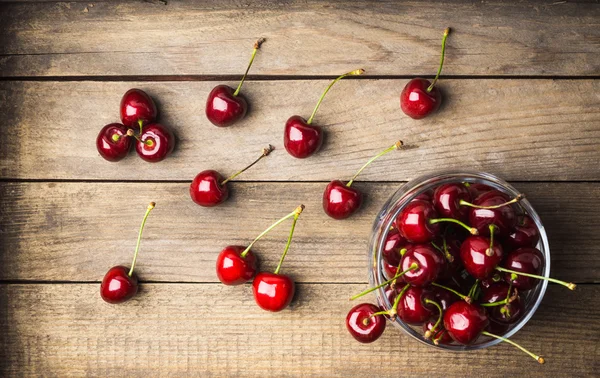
304	38
501	126
76	231
209	330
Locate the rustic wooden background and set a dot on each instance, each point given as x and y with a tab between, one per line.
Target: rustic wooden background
522	96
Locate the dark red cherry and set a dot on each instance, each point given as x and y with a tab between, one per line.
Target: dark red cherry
300	138
394	242
478	258
446	201
363	325
156	143
223	108
112	142
451	252
442	297
425	196
497	328
208	188
461	281
410	307
477	189
233	268
117	286
526	260
416	101
413	222
137	107
503	218
273	291
341	201
507	313
524	234
465	322
390	271
429	261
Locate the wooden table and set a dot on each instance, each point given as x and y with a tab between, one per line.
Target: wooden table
521	91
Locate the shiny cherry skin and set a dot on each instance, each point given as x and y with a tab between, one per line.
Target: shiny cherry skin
416	102
301	139
232	268
508	313
223	108
206	188
157	142
390	271
341	201
394	242
526	260
117	286
110	149
524	234
504	218
410	307
443	297
440	335
446	201
137	106
465	322
273	292
413	222
473	255
430	263
362	325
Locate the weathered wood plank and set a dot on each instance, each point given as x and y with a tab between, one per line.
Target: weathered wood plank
76	231
305	37
501	126
177	329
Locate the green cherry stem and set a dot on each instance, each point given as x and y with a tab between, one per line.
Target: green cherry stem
351	73
461	296
412	267
395	146
568	285
115	137
534	356
514	200
490	251
256	47
436	340
402	252
151	206
472	230
265	152
439	320
392	311
141	123
297	211
446	32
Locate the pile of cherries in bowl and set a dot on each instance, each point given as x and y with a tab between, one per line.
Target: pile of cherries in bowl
459	261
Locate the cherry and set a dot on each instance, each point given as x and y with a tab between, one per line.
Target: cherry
394	242
363	324
497	328
418	222
429	262
493	208
524	234
442	297
439	335
275	291
112	142
339	200
300	138
419	98
477	189
410	307
425	196
209	187
465	322
450	248
224	106
447	201
390	270
480	256
120	283
137	108
502	302
155	142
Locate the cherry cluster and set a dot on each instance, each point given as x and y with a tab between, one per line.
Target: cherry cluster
457	261
153	141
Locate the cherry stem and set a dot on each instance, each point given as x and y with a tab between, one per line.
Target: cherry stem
402	252
514	200
437	324
351	73
139	239
256	47
289	241
534	356
472	230
436	341
412	267
298	210
461	296
473	288
395	146
265	152
394	309
446	32
115	137
569	285
494	304
141	123
131	133
448	255
490	251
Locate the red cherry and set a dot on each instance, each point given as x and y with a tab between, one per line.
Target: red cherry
155	143
234	267
465	322
450	249
394	242
477	189
302	139
497	328
524	234
137	108
419	98
442	297
525	260
120	283
493	208
429	261
509	312
209	188
425	196
112	142
363	324
446	200
410	306
479	259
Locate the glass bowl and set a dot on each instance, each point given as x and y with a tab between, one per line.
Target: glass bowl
394	205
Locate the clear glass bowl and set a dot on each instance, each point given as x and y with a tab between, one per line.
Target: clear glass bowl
394	205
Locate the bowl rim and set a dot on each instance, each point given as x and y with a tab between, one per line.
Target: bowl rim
402	196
